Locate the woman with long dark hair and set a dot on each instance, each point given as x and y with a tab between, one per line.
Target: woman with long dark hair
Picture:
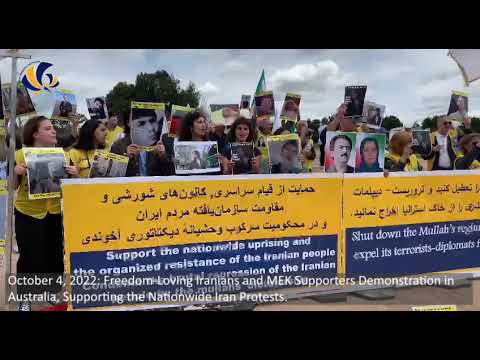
92	136
38	223
242	133
194	127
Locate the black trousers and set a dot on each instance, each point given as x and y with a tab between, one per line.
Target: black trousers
40	244
438	168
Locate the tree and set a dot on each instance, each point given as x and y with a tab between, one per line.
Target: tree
430	123
155	87
391	122
476	124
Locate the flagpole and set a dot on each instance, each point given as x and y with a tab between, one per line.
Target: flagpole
14	55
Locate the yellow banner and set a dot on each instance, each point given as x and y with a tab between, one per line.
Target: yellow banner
459	93
148	105
134	221
182	108
109	155
410	223
287	137
402	198
183	212
435	308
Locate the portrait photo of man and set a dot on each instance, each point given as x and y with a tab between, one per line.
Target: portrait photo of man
340	149
146	126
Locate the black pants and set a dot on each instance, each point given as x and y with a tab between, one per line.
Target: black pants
40	244
322	154
438	168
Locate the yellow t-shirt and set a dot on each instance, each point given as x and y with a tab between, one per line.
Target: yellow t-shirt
475	165
82	160
112	136
34	208
309	163
261	144
413	165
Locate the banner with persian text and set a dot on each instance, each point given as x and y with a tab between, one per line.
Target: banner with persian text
411	223
138	240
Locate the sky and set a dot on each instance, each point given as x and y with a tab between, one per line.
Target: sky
411	83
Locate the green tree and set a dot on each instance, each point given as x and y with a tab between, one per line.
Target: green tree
391	122
152	87
119	99
476	124
430	123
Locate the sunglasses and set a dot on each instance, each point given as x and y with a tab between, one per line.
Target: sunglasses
447	123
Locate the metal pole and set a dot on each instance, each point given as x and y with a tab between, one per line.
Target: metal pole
11	167
10	224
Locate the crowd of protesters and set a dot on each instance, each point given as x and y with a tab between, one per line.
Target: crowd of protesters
38	224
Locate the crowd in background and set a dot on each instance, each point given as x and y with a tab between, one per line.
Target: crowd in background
38	224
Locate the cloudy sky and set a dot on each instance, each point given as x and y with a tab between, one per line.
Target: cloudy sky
412	84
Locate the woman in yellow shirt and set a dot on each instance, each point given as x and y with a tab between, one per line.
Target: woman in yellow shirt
92	137
114	132
401	156
38	223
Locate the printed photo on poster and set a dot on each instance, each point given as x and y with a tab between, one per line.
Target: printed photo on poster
339	157
217	117
196	157
458	109
24	102
374	113
97	108
291	108
245	101
65	103
224	114
283	153
45	168
370	152
354	99
146	124
242	154
176	117
264	105
106	164
421	142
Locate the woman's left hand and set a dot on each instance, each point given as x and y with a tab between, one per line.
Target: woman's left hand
72	170
301	158
159	149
